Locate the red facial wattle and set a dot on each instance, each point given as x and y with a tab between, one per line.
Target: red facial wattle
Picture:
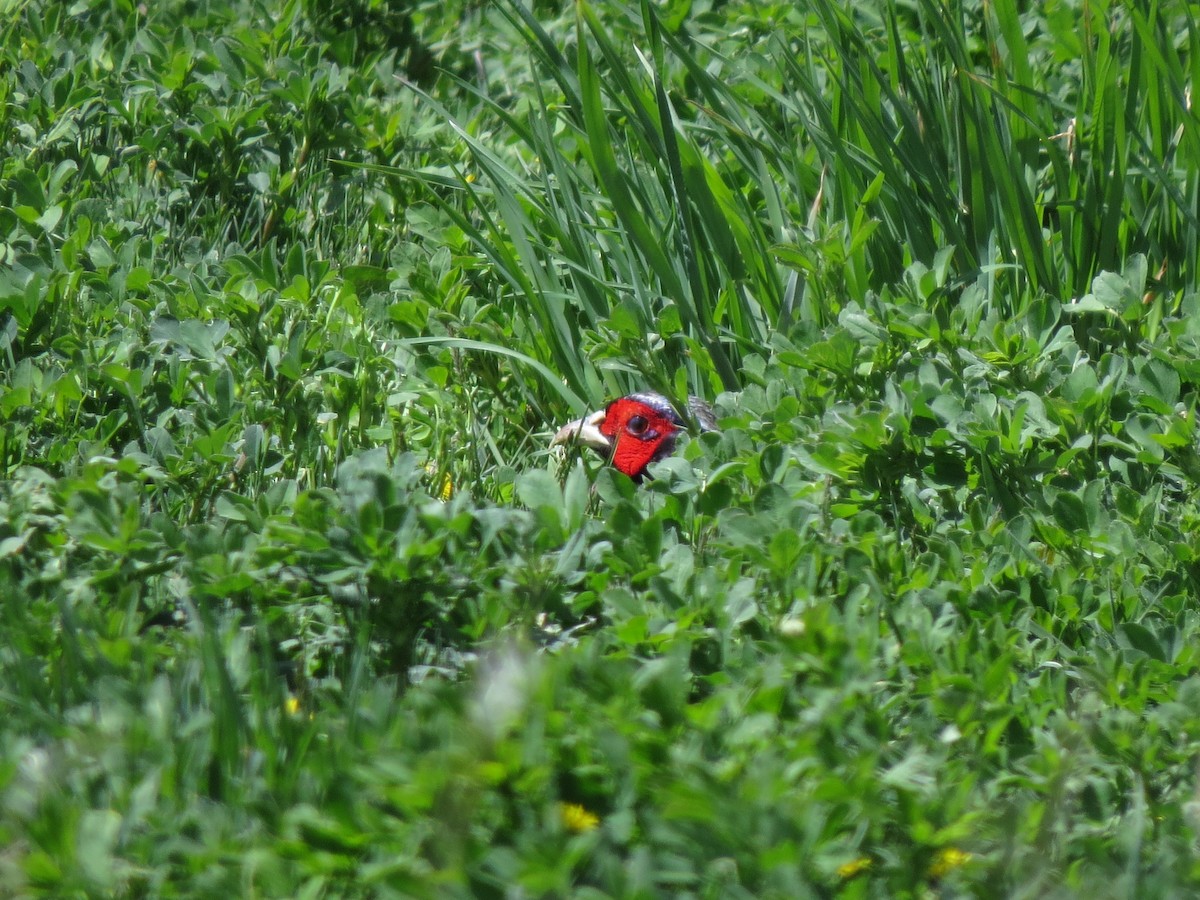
642	429
634	431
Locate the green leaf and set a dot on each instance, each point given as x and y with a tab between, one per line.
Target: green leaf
1139	637
539	489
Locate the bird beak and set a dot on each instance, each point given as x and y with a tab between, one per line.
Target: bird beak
584	431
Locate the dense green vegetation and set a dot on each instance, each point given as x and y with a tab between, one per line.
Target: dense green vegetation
295	601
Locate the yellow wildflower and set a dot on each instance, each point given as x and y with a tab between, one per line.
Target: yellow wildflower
445	488
854	867
577	819
292	705
947	860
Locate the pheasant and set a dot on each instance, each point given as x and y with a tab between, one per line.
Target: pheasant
635	431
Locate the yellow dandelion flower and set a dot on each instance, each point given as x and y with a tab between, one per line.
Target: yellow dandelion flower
854	867
577	819
947	860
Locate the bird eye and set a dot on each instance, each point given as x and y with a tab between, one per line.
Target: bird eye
636	425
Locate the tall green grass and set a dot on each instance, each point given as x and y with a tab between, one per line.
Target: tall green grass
675	201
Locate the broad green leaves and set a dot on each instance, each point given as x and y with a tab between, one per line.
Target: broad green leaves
296	601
